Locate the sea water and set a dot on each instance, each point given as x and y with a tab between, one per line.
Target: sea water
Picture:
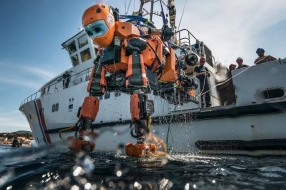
51	168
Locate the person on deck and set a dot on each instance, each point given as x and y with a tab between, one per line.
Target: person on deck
262	58
232	67
201	72
240	64
66	79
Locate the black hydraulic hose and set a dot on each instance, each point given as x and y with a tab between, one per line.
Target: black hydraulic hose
156	55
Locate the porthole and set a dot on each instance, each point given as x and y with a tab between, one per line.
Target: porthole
269	94
273	93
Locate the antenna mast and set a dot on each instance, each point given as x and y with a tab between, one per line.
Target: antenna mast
151	10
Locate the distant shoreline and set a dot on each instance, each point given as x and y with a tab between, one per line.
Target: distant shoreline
10	144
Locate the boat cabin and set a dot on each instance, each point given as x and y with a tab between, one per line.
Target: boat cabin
82	52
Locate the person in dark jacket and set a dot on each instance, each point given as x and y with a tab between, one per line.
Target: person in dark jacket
66	79
202	73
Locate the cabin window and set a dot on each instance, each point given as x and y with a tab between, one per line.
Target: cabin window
82	41
273	93
72	47
85	55
74	60
55	107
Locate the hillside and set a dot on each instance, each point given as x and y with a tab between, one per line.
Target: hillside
23	132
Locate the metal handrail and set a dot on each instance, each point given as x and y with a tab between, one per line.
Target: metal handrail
49	88
189	34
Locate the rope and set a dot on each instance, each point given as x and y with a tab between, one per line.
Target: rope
223	82
203	86
182	14
169	131
158	154
158	141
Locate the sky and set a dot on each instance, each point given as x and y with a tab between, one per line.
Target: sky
32	32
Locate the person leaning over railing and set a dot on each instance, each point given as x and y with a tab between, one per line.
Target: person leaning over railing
240	64
66	79
262	58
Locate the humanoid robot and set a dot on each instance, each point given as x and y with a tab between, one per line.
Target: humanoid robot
138	61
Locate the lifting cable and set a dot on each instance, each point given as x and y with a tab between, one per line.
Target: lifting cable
182	14
169	130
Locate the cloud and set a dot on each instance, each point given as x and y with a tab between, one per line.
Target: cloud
13	121
27	76
40	73
21	82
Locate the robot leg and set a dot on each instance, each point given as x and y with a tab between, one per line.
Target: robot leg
141	109
82	141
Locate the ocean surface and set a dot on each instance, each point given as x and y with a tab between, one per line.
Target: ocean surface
53	168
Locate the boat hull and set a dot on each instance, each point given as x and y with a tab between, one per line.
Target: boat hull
252	134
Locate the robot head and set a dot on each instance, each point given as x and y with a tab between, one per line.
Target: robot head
99	24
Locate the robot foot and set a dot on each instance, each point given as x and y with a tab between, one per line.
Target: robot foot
140	150
78	145
85	142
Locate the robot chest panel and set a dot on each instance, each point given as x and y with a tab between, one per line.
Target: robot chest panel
116	67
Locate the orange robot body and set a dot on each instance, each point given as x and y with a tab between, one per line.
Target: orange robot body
121	66
135	107
90	108
169	73
126	30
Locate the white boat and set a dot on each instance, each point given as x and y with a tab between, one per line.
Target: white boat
247	113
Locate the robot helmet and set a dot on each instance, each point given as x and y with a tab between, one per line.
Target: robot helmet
99	24
259	50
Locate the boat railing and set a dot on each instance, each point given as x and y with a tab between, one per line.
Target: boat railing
185	37
188	40
32	97
75	79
